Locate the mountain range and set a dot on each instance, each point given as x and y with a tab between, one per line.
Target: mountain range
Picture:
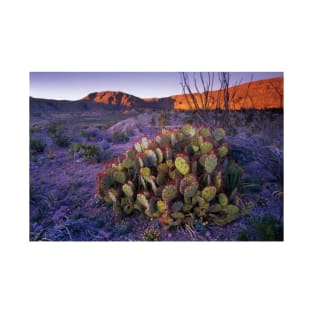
262	94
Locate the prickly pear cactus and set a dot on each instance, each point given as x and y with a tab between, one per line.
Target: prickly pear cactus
179	177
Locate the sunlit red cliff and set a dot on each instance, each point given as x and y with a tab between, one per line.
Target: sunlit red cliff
262	94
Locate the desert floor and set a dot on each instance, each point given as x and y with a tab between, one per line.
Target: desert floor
63	204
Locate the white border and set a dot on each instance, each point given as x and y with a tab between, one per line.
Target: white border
155	36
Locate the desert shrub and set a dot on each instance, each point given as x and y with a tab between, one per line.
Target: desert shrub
90	133
176	178
269	229
37	146
57	133
262	202
51	154
232	176
164	118
129	132
53	129
265	228
122	228
251	185
151	234
250	116
33	130
108	124
62	140
38	204
90	152
119	137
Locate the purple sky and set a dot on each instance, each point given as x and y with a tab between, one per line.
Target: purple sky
75	85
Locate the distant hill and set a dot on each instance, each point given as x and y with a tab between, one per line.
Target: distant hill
62	106
262	94
121	99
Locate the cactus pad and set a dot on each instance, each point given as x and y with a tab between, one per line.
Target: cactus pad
210	163
190	190
128	163
161	206
206	147
159	155
208	193
168	153
218	180
204	132
182	165
128	190
131	154
222	151
177	206
151	159
119	177
219	134
169	193
173	139
222	199
112	194
138	162
165	140
145	172
141	198
232	209
137	147
144	143
189	130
